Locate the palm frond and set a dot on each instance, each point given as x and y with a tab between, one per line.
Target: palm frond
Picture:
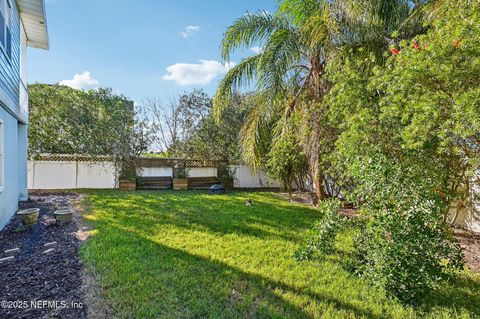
250	29
282	54
255	134
239	76
300	11
321	30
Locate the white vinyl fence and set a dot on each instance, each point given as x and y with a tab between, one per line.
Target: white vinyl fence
470	218
70	175
79	174
243	176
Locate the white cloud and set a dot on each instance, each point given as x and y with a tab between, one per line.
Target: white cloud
256	50
83	81
201	73
190	30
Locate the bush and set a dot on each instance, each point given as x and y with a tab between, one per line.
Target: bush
405	247
321	238
286	161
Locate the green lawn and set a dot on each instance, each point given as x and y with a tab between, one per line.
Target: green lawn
190	255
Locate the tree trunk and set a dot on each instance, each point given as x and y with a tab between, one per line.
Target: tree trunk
317	179
318	186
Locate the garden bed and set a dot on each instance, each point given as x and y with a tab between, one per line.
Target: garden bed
40	272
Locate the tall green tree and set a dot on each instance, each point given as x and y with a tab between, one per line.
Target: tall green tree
186	127
422	106
63	120
299	43
409	136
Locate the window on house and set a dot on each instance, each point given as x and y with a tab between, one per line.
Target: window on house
5	26
2	157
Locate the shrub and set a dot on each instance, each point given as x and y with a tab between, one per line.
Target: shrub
286	161
321	238
405	247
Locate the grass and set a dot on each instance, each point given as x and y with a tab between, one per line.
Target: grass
190	255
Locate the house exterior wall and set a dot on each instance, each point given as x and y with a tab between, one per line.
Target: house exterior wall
22	161
10	70
13	113
9	194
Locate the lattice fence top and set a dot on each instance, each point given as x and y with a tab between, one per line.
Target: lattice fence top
72	158
173	162
143	161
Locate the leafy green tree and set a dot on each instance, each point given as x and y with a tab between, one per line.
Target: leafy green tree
422	106
409	138
286	159
221	139
299	43
321	238
57	114
63	120
187	128
405	247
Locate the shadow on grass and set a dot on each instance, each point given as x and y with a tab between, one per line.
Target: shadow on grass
460	292
217	214
161	281
150	279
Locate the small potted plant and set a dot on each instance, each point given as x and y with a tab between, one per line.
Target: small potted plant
29	217
63	216
180	177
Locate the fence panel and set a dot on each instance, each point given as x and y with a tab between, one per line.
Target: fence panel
202	172
53	175
96	175
161	171
246	177
70	175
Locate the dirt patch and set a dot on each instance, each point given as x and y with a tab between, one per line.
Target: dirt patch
92	293
42	281
304	198
470	243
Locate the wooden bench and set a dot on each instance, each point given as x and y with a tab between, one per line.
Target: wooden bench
155	182
202	182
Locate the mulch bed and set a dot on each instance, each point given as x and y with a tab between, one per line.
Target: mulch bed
37	276
470	243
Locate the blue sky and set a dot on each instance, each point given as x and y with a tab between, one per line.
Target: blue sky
128	45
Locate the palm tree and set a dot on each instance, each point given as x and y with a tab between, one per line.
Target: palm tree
289	73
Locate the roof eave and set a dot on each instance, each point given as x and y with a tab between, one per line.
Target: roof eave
34	19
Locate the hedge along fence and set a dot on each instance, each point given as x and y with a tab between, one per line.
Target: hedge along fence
64	171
